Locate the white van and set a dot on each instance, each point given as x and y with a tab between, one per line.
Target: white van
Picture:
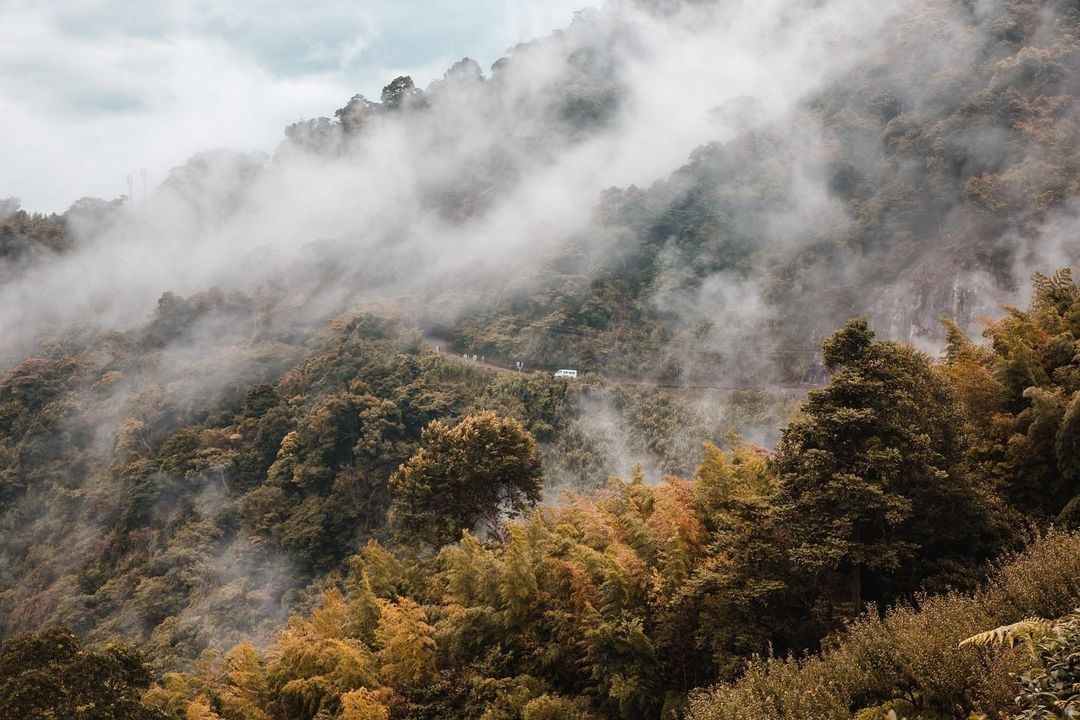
566	373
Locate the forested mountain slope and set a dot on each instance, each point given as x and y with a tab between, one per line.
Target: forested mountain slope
284	467
930	180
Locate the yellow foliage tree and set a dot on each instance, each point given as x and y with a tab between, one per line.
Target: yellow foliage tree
363	704
245	692
406	644
314	662
199	709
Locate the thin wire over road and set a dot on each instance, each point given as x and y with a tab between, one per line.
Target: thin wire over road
500	367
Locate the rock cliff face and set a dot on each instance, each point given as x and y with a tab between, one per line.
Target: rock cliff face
911	310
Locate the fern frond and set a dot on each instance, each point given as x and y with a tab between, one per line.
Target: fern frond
1026	629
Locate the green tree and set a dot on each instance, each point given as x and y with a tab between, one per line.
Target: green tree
873	492
401	94
466	475
51	675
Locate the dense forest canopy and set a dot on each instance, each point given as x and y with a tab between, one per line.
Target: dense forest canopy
282	441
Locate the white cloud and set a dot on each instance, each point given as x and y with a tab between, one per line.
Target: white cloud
198	91
92	90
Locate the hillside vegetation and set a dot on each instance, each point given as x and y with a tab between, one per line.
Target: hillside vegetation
812	448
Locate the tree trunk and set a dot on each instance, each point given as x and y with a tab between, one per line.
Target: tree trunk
856	587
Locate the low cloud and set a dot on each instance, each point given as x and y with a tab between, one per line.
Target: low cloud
94	90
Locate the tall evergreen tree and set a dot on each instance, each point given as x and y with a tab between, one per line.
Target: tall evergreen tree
873	492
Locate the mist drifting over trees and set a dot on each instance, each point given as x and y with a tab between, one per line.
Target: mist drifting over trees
281	437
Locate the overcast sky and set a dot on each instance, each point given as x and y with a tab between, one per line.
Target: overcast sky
92	90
